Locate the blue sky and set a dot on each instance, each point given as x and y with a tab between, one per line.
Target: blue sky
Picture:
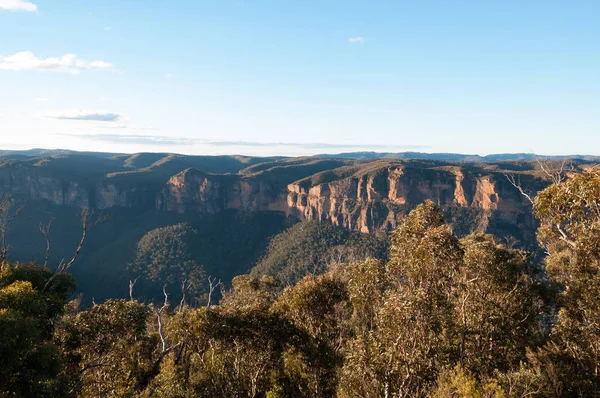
301	77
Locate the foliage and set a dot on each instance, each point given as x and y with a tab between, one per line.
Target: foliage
460	383
309	247
498	306
165	256
249	292
31	362
225	244
443	316
569	213
438	303
319	307
108	346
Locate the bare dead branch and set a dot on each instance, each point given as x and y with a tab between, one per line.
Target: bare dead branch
161	332
87	223
517	184
556	175
6	218
166	303
131	285
185	286
159	312
212	285
45	231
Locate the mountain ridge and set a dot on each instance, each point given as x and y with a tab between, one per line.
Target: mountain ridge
448	156
223	197
366	195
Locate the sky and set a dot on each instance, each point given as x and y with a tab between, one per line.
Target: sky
300	77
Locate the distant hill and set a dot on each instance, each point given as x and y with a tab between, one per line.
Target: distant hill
456	157
140	160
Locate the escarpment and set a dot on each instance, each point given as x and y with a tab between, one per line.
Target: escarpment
25	182
197	192
32	183
367	196
374	201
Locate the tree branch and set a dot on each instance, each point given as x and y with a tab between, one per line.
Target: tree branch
45	231
564	237
86	225
559	175
131	285
6	220
212	285
517	184
185	286
158	313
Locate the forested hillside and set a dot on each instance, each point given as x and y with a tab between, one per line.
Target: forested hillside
439	314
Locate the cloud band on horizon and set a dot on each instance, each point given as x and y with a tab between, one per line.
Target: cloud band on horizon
168	140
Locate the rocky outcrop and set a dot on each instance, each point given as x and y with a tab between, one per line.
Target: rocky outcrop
20	180
366	197
107	195
192	191
374	201
29	182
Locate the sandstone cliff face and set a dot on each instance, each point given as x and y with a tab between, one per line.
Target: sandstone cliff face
37	184
373	202
366	201
193	191
107	194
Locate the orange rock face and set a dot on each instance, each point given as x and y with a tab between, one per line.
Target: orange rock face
363	198
372	202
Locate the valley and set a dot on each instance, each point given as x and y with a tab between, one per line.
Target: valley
236	205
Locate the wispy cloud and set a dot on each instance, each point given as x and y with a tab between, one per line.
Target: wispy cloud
168	76
134	139
110	125
357	40
17	5
307	145
79	114
42	99
108	28
69	63
187	141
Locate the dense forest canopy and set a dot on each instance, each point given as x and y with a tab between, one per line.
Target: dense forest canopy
437	315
